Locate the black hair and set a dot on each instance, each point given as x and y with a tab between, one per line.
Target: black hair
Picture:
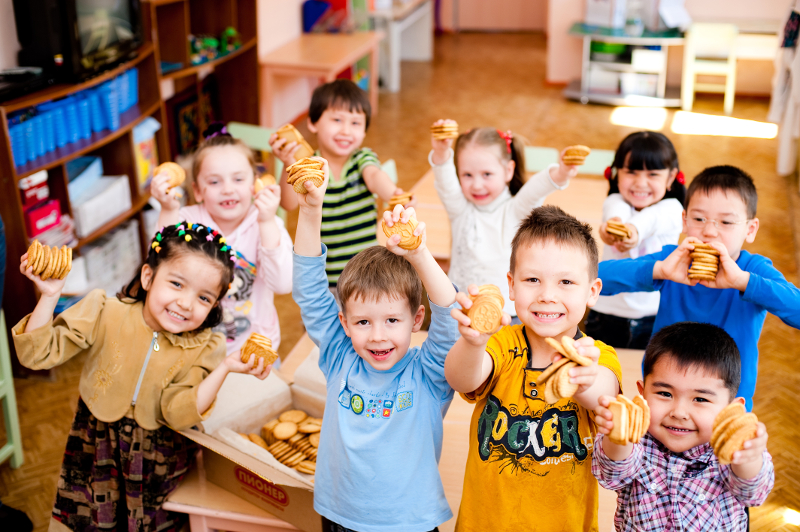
725	178
697	345
174	240
648	150
339	93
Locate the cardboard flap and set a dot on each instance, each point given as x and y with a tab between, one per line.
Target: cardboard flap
251	449
245	403
309	376
255	466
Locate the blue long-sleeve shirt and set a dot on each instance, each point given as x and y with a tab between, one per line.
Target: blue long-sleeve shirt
377	463
740	314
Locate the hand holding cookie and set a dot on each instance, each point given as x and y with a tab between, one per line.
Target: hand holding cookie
585	354
739	439
481	313
254	366
569	160
267	201
675	267
313	185
443	132
285	150
47	267
406	234
159	189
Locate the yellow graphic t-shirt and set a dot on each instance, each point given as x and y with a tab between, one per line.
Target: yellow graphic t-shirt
529	463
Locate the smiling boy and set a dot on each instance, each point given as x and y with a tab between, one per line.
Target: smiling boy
671	480
528	466
382	429
720	210
339	115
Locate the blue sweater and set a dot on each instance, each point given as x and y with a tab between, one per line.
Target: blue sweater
377	464
740	314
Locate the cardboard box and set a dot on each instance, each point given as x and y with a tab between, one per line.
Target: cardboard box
42	217
34	188
243	405
106	199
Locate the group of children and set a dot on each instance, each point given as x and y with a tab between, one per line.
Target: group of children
155	358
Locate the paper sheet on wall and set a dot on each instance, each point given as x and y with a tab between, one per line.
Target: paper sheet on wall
674	14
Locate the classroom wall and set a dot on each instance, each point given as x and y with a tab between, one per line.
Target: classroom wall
753	77
497	15
280	21
8	35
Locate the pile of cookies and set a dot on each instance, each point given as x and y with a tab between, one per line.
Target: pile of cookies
486	310
576	155
705	262
732	427
631	419
401	199
446	130
49	262
261	347
263	182
290	133
176	173
292	438
556	377
305	170
408	240
618	229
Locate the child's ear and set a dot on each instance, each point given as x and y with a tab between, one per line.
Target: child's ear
146	277
594	291
510	166
640	387
671	178
752	229
419	317
739	400
683	217
343	321
311	126
510	286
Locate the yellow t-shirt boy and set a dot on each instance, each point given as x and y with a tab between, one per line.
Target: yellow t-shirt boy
529	462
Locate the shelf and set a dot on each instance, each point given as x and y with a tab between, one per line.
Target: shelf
617	67
127	121
672	99
108	226
618	36
183	72
61	90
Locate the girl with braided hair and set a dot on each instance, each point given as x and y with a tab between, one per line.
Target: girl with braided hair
152	364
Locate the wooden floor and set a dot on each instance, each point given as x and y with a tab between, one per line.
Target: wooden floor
498	80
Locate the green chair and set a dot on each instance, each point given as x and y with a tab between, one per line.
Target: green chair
13	446
538	158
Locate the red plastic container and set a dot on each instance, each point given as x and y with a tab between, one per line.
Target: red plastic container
42	217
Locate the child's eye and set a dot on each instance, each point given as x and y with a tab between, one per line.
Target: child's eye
699	219
532	280
727	222
176	284
701	400
205	299
363	322
566	281
664	394
393	320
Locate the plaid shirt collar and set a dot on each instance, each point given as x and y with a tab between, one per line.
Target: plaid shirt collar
702	453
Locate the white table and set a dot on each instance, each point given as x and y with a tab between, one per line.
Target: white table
409	29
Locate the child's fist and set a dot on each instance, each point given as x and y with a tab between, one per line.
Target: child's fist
159	186
283	149
267	201
441	147
315	196
603	417
752	450
50	287
584	376
564	172
469	334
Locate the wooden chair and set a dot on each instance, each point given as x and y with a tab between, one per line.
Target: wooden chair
13	446
709	49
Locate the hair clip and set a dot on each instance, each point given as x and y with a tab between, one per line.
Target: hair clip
181	232
507	136
188	237
154	245
222	240
680	178
210	238
158	237
179	226
224	248
158	248
233	258
608	173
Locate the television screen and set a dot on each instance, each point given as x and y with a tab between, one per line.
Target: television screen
103	24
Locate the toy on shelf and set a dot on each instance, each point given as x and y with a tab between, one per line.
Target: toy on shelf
231	40
203	48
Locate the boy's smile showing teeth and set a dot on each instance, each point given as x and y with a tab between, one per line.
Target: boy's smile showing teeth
548	316
381	354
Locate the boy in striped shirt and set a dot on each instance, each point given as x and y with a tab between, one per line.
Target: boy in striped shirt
671	479
339	115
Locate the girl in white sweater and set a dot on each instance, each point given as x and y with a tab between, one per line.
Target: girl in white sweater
645	192
484	190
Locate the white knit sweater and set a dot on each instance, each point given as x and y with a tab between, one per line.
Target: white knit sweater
482	234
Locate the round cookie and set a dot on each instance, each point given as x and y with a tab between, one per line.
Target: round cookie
314	439
564	387
284	430
408	240
294	416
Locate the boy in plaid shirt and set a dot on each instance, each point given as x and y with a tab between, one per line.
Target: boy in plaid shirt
671	480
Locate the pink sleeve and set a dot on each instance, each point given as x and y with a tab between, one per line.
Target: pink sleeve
275	265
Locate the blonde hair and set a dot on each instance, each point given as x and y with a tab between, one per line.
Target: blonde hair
513	151
219	141
377	272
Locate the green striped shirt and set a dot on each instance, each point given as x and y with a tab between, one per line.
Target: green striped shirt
349	214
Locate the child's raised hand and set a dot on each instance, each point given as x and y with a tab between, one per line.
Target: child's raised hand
267	202
51	287
584	376
283	149
315	196
469	334
603	417
729	275
675	267
235	365
441	147
752	451
628	243
158	189
564	172
402	214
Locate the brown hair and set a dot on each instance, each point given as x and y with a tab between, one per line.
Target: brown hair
339	94
725	178
489	136
218	141
376	272
551	223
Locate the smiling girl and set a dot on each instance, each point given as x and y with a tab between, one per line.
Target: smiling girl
224	173
484	189
151	364
646	192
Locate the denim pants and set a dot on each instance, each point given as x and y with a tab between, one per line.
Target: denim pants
619	332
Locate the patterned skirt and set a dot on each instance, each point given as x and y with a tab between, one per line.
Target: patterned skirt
116	476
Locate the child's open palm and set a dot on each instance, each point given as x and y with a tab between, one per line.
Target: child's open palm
235	365
49	287
402	214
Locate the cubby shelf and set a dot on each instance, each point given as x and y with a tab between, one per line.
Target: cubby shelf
173	74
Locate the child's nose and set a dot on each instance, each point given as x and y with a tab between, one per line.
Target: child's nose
378	332
547	295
